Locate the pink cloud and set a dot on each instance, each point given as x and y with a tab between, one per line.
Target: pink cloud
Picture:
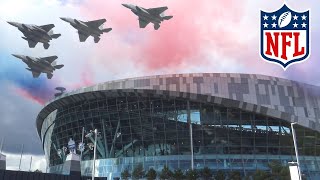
86	78
228	28
179	40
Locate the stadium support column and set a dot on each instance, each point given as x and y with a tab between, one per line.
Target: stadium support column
190	130
2	162
105	139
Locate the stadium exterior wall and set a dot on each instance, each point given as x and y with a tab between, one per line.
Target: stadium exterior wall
219	101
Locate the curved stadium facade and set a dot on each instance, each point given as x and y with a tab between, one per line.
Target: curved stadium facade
239	122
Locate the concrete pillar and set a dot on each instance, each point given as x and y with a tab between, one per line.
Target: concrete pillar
2	162
72	166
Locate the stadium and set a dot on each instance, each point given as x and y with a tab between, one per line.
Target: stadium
238	122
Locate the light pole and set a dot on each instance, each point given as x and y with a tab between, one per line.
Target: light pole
81	146
190	132
94	150
296	148
94	153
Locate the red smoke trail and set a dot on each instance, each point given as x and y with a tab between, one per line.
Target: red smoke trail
28	95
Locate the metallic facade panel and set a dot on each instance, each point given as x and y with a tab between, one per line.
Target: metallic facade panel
280	96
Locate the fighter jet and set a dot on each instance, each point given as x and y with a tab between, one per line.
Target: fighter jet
89	28
34	34
40	65
153	15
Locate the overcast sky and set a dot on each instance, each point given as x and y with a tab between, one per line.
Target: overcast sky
208	36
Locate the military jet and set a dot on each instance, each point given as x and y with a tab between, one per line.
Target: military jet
34	34
40	65
153	15
89	28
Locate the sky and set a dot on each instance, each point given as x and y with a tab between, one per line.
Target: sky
210	36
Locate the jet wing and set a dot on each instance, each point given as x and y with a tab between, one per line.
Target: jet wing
157	11
95	23
32	44
35	74
47	27
82	36
143	23
50	59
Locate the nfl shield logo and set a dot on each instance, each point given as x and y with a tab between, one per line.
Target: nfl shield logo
284	36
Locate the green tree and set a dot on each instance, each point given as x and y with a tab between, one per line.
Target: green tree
220	175
260	175
166	173
138	172
192	174
178	174
38	171
151	174
235	175
125	174
206	173
278	171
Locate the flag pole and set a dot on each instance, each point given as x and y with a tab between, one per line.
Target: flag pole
21	156
30	164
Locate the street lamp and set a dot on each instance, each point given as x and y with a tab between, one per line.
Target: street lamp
296	148
95	132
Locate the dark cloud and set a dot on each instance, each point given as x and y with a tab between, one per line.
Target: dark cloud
18	121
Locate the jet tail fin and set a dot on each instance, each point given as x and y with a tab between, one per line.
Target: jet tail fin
46	45
106	30
156	26
167	17
55	36
96	39
58	66
49	75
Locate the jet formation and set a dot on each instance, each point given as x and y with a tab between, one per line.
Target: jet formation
151	15
35	34
40	65
89	28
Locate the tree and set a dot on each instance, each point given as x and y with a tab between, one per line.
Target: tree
192	174
125	174
219	175
235	175
138	172
151	174
38	171
178	174
260	175
279	171
206	173
165	173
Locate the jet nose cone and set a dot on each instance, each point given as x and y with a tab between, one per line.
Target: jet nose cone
64	19
126	5
13	23
17	56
